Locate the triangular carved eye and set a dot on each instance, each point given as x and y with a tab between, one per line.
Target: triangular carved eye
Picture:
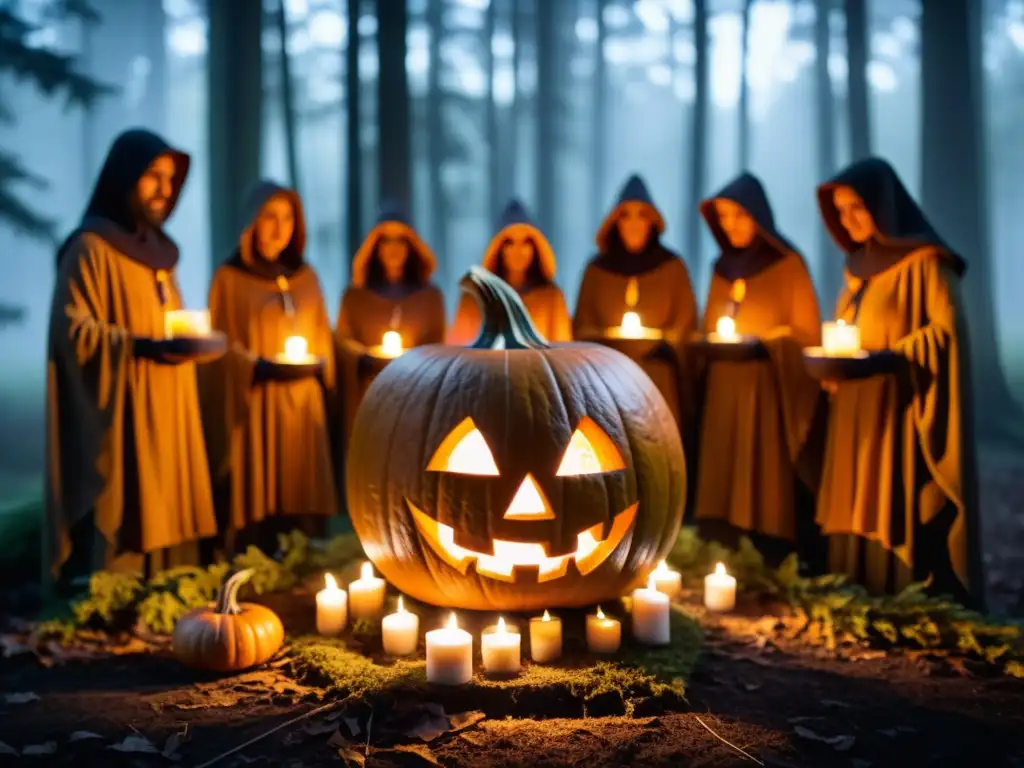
590	452
464	452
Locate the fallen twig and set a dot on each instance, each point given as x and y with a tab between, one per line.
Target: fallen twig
275	729
724	741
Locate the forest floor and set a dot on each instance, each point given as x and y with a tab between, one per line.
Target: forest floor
756	697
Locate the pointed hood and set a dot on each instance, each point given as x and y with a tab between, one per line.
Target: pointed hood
770	245
110	213
515	219
392	219
901	224
246	256
612	255
633	191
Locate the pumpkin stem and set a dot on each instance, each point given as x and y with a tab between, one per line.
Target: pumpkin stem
506	323
227	600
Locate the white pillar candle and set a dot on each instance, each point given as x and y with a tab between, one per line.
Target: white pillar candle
725	329
391	344
651	614
366	595
839	338
604	634
501	649
449	655
631	326
186	322
400	631
719	590
667	580
296	349
331	608
545	638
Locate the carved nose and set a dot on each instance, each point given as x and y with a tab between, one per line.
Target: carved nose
529	503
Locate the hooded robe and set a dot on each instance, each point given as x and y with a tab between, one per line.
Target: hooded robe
757	414
665	300
898	494
127	485
371	306
541	296
268	441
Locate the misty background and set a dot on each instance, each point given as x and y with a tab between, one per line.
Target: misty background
456	105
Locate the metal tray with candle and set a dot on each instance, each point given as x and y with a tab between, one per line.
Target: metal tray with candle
725	345
295	362
187	337
841	358
389	348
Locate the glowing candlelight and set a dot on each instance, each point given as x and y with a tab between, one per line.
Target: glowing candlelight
651	614
501	649
667	580
631	327
719	590
391	344
449	655
725	329
545	638
186	323
840	339
604	635
400	630
366	594
331	608
296	350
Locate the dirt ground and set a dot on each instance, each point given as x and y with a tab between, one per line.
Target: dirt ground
782	704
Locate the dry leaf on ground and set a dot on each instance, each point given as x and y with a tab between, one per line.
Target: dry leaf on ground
83	735
40	750
840	742
136	743
20	698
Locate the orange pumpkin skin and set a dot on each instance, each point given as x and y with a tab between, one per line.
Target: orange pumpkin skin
227	636
526	399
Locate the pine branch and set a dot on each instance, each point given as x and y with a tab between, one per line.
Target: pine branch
11	315
13	211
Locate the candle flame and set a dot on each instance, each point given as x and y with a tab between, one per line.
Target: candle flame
600	613
401	608
840	321
452	623
631	325
662	568
329	583
547	616
720	569
367	572
501	625
651	583
295	348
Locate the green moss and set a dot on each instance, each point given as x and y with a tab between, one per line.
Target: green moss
652	678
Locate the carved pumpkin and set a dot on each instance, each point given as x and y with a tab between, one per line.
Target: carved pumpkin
512	474
228	636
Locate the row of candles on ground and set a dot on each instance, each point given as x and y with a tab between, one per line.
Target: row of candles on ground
450	649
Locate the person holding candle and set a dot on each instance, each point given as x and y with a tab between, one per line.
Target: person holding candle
521	256
911	511
758	414
127	484
268	437
390	290
633	271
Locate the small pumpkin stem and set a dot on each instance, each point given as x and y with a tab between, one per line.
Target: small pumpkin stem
227	600
506	323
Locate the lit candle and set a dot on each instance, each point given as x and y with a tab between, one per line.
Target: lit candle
725	329
391	344
631	327
501	649
604	635
296	350
650	614
366	595
331	608
545	638
186	322
719	590
667	580
449	655
839	339
400	630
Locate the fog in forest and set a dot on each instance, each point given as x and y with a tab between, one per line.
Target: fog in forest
553	101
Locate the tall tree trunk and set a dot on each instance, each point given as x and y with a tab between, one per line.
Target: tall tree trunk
744	105
353	148
494	182
88	111
698	141
154	99
545	115
509	157
830	264
599	122
954	189
287	96
394	147
435	134
235	121
857	51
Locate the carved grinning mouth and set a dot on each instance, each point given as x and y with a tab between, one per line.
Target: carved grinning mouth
507	556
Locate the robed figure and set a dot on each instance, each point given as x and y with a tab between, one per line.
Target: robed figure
757	414
389	291
634	272
898	494
267	430
127	485
521	255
